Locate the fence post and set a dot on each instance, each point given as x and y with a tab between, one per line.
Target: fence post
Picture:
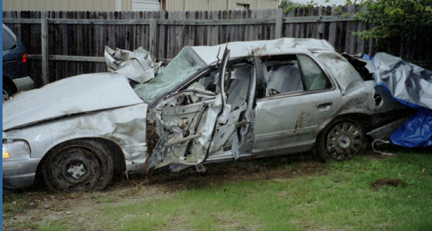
279	24
153	36
44	43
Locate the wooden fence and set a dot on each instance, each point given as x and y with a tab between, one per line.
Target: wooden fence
63	44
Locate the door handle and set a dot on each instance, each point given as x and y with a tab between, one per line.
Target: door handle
324	106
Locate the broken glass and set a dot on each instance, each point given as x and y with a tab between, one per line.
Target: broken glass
181	68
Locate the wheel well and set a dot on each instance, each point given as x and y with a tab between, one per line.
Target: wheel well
10	83
320	148
116	153
363	119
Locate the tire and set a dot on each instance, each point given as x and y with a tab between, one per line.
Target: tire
341	139
7	92
79	165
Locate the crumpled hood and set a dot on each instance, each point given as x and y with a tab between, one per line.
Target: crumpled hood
73	95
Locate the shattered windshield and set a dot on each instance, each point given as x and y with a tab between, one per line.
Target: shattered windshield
185	64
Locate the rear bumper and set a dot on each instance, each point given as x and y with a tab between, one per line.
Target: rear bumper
23	83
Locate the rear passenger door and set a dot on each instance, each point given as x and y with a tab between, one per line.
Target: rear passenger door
296	97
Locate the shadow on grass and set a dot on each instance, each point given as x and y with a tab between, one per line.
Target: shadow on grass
242	170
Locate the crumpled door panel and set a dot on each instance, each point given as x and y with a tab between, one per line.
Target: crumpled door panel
196	125
185	129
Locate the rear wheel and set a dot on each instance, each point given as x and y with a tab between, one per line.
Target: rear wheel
341	139
79	165
7	92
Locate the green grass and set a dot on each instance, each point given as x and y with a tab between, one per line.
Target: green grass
338	197
342	198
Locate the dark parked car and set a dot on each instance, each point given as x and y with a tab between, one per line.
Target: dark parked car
15	65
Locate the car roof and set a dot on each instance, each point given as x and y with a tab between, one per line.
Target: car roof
332	62
9	31
211	54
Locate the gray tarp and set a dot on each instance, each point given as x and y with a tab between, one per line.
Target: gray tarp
411	85
407	82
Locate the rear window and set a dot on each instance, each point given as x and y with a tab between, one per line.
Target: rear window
8	41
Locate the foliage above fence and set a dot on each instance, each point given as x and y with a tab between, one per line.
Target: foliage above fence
404	23
75	41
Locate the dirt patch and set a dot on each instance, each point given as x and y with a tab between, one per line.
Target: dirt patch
394	182
31	208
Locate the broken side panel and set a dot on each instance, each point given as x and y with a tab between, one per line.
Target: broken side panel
186	131
197	125
234	139
186	122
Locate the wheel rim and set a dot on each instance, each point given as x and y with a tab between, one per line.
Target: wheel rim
344	140
76	168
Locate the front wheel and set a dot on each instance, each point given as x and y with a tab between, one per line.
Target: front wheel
341	139
79	165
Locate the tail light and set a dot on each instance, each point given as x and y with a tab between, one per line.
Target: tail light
25	58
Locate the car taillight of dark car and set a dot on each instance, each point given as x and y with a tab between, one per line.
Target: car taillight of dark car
25	58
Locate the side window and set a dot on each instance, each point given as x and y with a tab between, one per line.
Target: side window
284	78
314	77
8	41
207	82
279	74
286	74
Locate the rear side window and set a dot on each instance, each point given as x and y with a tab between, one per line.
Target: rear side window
287	74
314	77
8	41
285	78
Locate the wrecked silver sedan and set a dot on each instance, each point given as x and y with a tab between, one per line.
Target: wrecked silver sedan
209	104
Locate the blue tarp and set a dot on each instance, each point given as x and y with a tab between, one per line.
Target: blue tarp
412	86
416	131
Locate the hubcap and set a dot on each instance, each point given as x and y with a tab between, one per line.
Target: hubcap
344	140
76	171
75	168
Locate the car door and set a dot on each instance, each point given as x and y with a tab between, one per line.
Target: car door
195	124
299	98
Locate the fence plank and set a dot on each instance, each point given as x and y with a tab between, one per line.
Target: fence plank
350	43
333	31
214	30
153	36
279	26
45	52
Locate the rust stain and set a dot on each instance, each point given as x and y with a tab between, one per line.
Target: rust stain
299	121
